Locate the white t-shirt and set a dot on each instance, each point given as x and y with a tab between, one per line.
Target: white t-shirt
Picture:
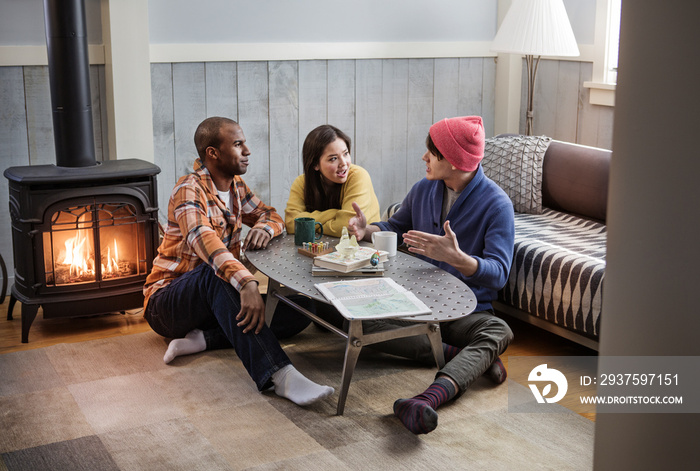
226	198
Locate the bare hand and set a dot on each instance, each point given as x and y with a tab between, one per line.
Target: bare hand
252	313
441	248
357	224
257	238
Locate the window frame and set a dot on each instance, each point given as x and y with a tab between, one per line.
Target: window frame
604	80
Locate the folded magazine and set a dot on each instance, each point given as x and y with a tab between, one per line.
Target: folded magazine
372	298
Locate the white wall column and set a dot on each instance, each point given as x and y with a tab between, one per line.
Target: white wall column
128	79
509	75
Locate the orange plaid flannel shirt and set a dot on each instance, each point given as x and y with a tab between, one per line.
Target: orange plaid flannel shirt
201	229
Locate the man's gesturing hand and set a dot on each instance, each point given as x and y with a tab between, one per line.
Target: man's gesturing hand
442	249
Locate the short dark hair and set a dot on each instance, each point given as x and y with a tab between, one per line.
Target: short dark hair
317	196
208	134
432	147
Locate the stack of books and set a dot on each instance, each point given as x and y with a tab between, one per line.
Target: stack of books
364	271
357	265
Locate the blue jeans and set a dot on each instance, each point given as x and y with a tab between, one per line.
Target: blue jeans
199	299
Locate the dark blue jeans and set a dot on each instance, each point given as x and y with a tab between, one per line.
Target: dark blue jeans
199	299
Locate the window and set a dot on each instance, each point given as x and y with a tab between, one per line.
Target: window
607	40
613	40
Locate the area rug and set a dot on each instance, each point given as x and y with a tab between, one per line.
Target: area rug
112	404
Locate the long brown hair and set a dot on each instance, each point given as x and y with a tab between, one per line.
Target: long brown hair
320	195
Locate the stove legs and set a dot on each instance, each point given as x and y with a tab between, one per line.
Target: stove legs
11	306
28	315
29	312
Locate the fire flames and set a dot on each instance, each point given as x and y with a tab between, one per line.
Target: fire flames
76	262
112	265
77	256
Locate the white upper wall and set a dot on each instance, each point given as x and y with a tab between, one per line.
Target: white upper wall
304	21
582	17
294	21
22	22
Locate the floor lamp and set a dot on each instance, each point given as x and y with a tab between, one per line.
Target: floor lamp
535	28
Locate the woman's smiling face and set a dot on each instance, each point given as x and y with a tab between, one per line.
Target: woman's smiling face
334	162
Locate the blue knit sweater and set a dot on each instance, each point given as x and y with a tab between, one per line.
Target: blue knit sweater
482	219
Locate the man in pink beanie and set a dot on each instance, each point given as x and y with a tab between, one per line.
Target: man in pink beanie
461	221
461	141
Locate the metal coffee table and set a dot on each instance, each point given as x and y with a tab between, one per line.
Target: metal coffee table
290	273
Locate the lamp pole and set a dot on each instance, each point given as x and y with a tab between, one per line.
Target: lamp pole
532	65
535	28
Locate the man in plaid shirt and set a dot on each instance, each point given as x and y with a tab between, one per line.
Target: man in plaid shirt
199	293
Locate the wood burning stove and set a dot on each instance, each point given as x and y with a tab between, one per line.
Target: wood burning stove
84	233
83	238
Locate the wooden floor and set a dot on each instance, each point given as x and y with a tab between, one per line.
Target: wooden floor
528	340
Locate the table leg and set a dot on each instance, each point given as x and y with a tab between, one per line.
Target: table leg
271	300
352	352
436	342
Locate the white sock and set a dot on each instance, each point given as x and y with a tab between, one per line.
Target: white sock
296	387
193	342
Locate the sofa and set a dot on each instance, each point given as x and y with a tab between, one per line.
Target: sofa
559	192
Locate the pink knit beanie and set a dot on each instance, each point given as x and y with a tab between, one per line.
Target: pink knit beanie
460	141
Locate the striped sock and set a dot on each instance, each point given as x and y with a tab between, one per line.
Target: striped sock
418	413
450	352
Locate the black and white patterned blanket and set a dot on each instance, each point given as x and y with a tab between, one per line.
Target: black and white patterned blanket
558	269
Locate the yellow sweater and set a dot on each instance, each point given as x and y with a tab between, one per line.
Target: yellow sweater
357	188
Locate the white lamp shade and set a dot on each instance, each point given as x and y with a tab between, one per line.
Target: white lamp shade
538	28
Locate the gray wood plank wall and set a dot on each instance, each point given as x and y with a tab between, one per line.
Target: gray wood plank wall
385	105
561	106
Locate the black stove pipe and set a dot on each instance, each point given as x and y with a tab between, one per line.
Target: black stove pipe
69	79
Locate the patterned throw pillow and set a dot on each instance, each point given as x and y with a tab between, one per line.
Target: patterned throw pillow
515	164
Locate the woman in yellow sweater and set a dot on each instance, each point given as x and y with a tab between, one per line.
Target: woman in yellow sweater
330	184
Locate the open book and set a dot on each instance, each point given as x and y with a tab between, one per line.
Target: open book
372	298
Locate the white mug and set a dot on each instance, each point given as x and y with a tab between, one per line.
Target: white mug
386	241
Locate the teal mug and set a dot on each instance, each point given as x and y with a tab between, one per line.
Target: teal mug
305	230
